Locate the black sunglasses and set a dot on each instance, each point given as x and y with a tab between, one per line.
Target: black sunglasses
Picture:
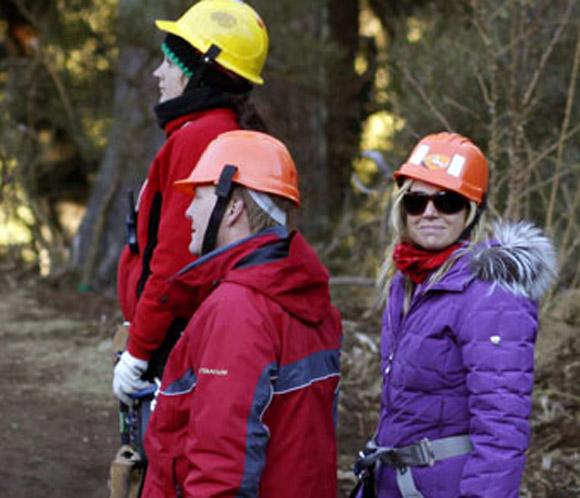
445	202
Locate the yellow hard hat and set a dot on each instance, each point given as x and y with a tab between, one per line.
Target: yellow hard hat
231	25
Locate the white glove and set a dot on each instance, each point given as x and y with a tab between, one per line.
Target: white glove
127	377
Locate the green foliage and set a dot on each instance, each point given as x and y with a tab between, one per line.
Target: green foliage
299	45
137	19
506	75
500	72
54	113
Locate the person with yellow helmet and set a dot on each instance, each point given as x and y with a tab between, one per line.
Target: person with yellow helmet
247	402
458	334
213	55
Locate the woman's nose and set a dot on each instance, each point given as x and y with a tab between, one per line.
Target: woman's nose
157	71
430	209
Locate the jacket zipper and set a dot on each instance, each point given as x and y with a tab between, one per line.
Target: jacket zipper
177	486
389	365
397	339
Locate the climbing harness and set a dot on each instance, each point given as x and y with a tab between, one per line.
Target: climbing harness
425	453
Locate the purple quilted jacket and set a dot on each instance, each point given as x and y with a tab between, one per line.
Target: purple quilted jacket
461	362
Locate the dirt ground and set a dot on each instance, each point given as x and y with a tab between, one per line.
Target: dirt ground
58	420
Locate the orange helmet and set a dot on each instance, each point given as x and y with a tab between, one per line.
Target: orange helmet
262	162
450	161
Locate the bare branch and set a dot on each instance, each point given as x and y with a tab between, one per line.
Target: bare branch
548	150
352	281
557	176
432	107
479	24
26	12
566	246
569	201
532	28
546	55
490	94
555	392
561	141
576	281
461	107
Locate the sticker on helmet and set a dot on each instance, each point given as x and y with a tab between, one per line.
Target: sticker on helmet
436	161
456	166
419	153
224	19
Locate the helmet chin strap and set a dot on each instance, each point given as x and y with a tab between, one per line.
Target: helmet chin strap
206	60
223	191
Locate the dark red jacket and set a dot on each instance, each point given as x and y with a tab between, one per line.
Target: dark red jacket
248	398
163	232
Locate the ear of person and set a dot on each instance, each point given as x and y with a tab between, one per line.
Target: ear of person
235	210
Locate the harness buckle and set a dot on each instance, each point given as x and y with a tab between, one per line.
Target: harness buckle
426	453
392	458
368	457
364	462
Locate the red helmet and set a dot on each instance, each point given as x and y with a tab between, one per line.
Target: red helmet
450	161
263	163
249	158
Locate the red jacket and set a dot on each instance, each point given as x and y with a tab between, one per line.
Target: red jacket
163	232
248	398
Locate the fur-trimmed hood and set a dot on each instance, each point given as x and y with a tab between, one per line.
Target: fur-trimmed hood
519	258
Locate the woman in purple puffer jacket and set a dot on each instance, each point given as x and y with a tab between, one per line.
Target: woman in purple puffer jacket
458	335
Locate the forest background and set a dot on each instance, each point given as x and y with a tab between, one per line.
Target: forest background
351	85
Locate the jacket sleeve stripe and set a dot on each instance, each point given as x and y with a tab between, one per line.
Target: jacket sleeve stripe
181	386
257	435
302	373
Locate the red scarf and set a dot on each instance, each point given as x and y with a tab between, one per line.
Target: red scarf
417	263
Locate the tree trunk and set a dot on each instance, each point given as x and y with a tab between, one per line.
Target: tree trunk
313	96
345	100
133	141
292	101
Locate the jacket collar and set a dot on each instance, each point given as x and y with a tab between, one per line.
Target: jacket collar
519	258
455	280
275	263
215	264
194	100
205	273
178	122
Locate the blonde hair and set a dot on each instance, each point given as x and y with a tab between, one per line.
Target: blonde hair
260	220
398	223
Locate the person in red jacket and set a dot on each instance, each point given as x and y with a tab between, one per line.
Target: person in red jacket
213	55
247	401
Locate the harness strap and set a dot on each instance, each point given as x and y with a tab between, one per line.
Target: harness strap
425	453
450	447
406	483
